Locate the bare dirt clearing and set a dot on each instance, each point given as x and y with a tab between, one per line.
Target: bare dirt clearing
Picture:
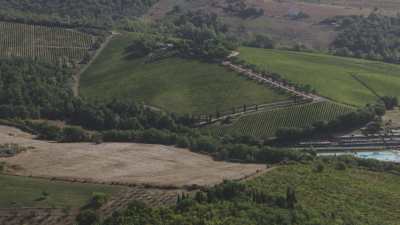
393	118
124	163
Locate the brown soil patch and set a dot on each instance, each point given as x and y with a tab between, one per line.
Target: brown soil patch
123	163
393	118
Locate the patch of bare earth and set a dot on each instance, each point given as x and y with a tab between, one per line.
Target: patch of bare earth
392	118
118	163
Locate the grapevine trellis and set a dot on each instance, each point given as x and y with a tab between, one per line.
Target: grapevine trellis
48	43
267	123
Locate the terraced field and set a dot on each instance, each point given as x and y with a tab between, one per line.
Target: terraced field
330	75
267	123
49	43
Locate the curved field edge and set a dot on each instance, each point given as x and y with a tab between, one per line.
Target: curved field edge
265	124
119	163
329	75
174	84
19	191
335	195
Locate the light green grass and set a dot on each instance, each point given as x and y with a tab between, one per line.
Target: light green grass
26	192
366	197
329	75
265	124
174	84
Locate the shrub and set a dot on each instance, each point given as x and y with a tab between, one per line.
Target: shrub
87	217
98	199
340	166
2	166
318	167
183	142
73	134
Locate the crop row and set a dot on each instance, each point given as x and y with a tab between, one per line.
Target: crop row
266	124
49	43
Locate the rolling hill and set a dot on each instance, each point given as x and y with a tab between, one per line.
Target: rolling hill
174	84
329	197
330	75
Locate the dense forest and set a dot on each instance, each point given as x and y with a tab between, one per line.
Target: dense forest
194	34
373	37
79	12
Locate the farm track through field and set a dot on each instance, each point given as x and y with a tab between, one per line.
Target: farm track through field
258	77
77	77
305	97
359	80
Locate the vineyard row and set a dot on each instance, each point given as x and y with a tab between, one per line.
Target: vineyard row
266	124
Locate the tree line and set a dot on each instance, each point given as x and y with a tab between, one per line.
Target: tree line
373	37
72	12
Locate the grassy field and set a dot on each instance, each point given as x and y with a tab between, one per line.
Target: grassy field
367	197
28	192
266	124
174	84
330	75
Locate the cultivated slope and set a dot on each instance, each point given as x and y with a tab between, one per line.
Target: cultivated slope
330	75
174	84
265	124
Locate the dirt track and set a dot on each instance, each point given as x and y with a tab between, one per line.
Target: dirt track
125	163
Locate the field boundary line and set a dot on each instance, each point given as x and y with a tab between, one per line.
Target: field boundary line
77	76
254	109
258	77
363	83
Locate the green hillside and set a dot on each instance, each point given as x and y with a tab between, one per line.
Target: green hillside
28	192
266	124
331	197
174	84
330	75
360	196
